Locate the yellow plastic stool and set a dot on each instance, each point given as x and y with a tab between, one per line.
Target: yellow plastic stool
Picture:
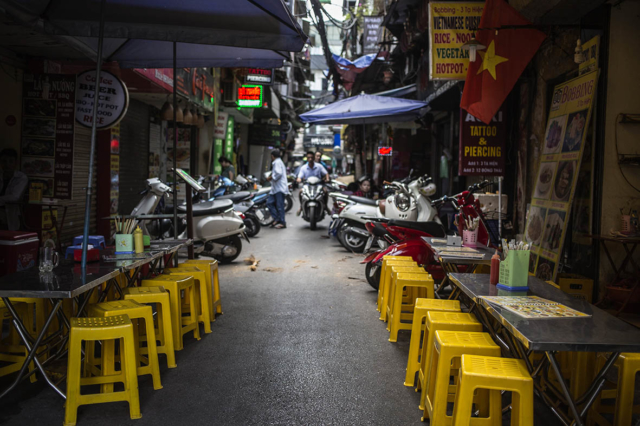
385	274
134	311
13	353
204	300
405	280
164	332
106	329
213	283
393	271
495	374
175	284
423	306
628	366
449	346
441	321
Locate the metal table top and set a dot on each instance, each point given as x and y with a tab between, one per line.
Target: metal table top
143	216
170	246
439	247
601	332
127	262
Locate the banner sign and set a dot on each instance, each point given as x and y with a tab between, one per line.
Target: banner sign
482	147
312	141
47	132
228	140
555	186
371	34
250	96
195	84
112	103
452	25
265	135
258	75
591	51
220	129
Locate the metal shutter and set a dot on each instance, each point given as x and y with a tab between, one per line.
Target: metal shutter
134	155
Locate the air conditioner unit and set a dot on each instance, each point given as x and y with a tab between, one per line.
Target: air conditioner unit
229	92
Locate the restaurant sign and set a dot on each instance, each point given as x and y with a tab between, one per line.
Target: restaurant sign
452	25
555	186
250	96
113	100
482	146
195	84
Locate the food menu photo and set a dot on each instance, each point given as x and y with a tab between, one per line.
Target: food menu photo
555	185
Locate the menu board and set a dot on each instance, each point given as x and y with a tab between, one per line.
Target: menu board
47	132
534	307
451	25
563	146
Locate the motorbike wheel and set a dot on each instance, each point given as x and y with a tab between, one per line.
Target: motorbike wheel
288	202
372	272
252	224
340	235
312	218
353	243
232	241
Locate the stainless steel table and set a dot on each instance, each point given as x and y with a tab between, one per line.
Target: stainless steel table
70	281
450	262
519	336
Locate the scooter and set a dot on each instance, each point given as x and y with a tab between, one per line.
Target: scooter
312	199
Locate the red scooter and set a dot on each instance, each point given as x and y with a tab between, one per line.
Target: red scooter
406	237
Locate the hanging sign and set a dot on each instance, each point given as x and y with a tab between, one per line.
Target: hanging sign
555	186
385	151
452	25
112	103
482	147
591	51
258	75
220	129
48	131
371	34
250	96
228	140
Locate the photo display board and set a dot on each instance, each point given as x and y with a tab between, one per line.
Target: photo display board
563	146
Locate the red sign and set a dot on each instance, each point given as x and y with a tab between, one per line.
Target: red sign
386	151
257	75
250	96
482	146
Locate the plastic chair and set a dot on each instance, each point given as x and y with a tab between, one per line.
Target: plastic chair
628	365
164	332
494	374
449	346
441	321
406	280
422	307
108	329
393	270
213	283
385	274
205	313
134	311
175	284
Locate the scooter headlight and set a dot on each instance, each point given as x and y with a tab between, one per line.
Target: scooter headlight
403	202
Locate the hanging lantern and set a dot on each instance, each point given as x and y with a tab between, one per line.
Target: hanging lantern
179	115
473	46
188	118
166	113
388	75
579	57
200	121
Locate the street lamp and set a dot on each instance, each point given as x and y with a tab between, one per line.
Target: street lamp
473	46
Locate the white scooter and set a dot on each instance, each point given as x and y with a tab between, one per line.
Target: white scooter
216	227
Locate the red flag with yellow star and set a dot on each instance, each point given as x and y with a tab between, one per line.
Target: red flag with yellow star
492	76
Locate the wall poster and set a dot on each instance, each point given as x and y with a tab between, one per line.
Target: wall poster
451	25
47	132
482	147
555	186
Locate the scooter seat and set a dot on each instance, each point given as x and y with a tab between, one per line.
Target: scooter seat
432	228
261	191
209	207
363	200
237	197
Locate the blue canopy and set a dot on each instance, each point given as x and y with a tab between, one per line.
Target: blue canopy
159	54
258	24
366	109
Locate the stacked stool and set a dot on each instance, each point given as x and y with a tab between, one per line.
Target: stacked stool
385	276
409	281
212	283
203	291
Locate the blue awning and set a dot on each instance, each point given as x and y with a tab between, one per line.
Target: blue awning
259	24
366	109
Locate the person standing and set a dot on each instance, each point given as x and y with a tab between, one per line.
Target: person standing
228	170
279	189
13	183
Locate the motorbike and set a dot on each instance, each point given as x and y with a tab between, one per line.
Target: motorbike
348	226
406	237
312	199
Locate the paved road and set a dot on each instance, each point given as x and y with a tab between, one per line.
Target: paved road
299	343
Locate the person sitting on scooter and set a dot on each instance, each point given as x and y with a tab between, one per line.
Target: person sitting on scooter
311	169
228	170
279	189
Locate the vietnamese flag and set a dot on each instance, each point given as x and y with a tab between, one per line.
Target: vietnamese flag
494	73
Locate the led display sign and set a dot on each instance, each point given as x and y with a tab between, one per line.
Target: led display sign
385	151
250	96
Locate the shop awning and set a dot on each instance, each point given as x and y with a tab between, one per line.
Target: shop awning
400	91
260	24
366	109
159	54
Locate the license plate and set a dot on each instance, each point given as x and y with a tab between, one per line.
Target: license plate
312	204
369	243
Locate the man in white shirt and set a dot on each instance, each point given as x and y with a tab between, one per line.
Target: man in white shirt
279	189
13	183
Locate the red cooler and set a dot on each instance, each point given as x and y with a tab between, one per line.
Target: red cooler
18	251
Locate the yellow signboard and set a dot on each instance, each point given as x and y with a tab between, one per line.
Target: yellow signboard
563	146
591	51
451	24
